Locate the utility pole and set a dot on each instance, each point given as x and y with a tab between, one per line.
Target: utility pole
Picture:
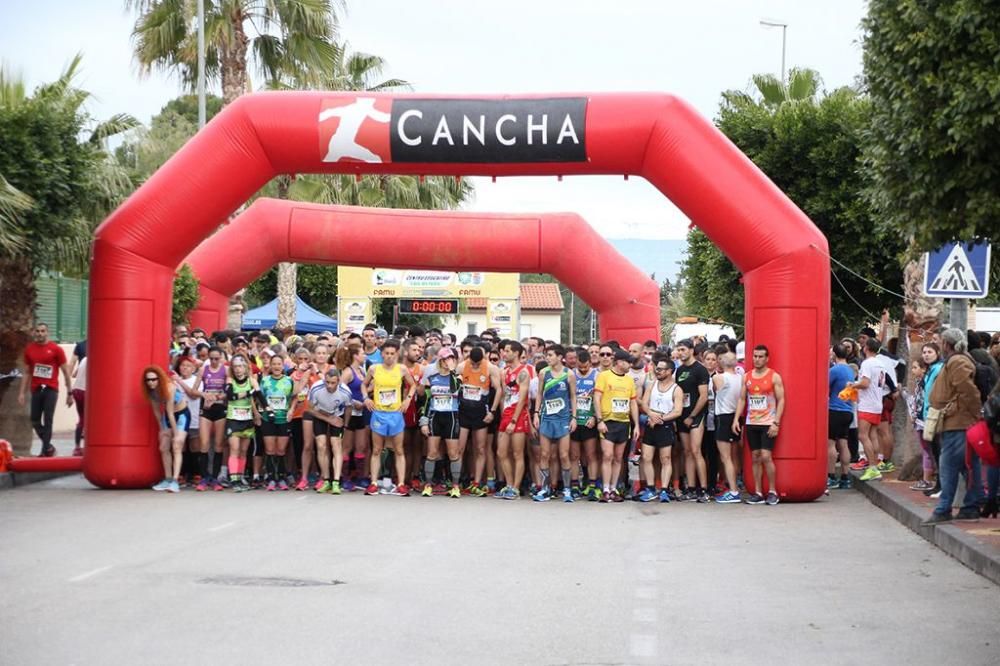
572	316
768	23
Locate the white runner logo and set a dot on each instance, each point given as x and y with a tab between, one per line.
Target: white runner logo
343	144
956	273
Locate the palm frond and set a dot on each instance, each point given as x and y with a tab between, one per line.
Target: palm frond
116	124
13	203
13	92
772	90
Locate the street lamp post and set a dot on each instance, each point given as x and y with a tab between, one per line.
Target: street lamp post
201	63
769	23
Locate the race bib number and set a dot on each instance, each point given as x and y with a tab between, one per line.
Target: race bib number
276	402
554	406
242	414
619	405
509	400
441	403
42	371
303	394
386	398
687	400
472	393
583	403
758	403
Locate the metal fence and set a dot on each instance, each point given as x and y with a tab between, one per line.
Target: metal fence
62	304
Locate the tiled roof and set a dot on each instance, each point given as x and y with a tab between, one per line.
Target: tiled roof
534	297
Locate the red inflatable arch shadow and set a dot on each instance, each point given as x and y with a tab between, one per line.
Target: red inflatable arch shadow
449	240
781	254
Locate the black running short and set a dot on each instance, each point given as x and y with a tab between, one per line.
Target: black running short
724	428
322	428
618	432
444	424
757	438
660	436
214	413
839	424
471	415
269	429
357	422
583	433
695	422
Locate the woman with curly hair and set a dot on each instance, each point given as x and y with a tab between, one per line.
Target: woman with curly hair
170	408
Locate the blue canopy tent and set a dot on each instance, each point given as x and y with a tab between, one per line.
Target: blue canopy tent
307	319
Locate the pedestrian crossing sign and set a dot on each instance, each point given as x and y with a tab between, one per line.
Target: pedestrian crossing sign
958	270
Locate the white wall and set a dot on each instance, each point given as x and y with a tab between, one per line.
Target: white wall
543	324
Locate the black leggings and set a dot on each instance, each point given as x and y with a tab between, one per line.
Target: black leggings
710	452
298	441
43	408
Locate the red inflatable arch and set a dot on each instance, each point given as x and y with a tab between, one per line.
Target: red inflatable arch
781	254
272	230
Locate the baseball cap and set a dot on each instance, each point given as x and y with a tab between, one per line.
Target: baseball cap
741	350
446	352
381	333
622	355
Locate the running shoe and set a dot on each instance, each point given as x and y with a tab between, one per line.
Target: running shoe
477	491
77	452
755	498
173	487
217	486
283	485
665	496
594	495
568	496
499	494
402	490
372	489
48	452
728	498
703	497
415	482
428	490
491	485
202	486
772	498
871	474
678	495
162	485
271	486
860	465
886	466
319	484
303	483
647	495
348	486
616	497
844	484
605	496
541	496
575	492
831	482
323	487
455	492
921	485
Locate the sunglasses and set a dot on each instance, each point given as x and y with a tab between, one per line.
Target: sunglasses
152	379
606	354
662	369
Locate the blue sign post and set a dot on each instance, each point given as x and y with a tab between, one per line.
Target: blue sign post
958	270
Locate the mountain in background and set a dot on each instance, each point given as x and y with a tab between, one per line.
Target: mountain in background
660	257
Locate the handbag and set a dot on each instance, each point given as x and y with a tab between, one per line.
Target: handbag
933	422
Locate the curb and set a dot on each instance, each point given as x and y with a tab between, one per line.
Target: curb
10	480
965	548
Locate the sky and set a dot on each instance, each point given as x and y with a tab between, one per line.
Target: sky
694	49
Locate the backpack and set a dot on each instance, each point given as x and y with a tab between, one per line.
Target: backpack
991	413
986	379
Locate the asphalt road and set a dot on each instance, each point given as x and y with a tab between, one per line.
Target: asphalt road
100	577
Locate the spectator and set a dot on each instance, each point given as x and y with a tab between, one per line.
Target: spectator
956	395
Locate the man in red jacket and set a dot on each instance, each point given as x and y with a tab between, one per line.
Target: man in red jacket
44	360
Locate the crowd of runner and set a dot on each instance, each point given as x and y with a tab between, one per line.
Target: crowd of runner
422	412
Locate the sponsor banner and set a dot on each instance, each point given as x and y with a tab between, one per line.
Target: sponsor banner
470	131
393	283
353	313
502	315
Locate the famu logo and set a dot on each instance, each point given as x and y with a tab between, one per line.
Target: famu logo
369	129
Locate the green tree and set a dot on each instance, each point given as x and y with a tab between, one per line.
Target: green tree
275	38
147	149
56	182
185	294
770	92
812	150
932	72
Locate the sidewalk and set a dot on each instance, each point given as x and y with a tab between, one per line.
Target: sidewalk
63	441
974	544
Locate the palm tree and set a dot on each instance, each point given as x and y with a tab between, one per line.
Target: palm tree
770	92
279	38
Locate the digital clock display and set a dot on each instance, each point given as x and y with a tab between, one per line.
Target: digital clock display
427	306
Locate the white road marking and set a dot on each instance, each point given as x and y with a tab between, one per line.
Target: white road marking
642	645
89	574
223	526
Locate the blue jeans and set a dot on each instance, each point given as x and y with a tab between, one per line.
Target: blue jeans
992	481
951	465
